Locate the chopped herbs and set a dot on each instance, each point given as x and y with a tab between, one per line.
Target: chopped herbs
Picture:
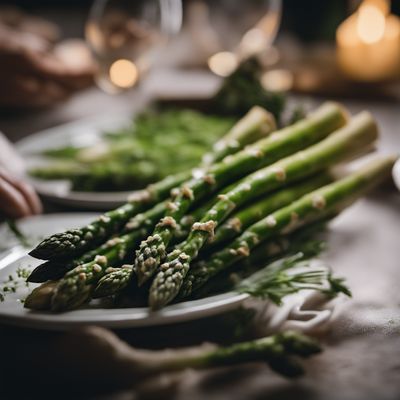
158	143
13	282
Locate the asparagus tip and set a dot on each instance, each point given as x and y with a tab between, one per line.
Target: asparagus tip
148	258
114	281
40	297
168	281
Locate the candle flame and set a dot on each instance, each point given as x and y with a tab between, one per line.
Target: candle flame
371	23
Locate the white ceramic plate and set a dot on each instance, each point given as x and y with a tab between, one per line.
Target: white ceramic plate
79	133
396	173
13	312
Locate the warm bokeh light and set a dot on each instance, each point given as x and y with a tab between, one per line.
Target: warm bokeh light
277	80
253	41
223	63
370	23
123	73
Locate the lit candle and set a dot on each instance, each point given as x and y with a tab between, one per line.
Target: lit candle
368	43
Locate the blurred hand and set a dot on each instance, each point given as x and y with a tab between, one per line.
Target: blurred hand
33	71
17	198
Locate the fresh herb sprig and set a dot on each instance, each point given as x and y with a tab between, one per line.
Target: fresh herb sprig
289	275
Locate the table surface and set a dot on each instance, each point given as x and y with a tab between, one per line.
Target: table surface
362	345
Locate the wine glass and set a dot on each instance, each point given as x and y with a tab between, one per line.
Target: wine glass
224	32
126	37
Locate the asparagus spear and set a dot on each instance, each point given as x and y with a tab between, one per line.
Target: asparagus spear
318	125
77	285
104	176
56	269
113	250
302	241
313	206
282	351
257	124
263	207
277	350
76	241
116	279
40	297
344	143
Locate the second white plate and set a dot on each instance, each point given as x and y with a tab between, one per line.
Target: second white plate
79	133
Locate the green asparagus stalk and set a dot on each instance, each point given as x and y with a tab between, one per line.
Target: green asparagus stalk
40	297
74	242
257	124
304	241
318	125
77	241
75	288
344	143
282	351
263	207
117	279
102	176
77	285
318	204
277	350
53	270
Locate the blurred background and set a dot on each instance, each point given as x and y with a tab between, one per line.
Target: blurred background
337	49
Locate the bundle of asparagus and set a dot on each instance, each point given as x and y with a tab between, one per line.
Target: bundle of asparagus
251	190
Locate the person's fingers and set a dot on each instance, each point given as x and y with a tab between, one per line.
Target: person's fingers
69	63
14	42
13	203
40	27
45	93
30	196
22	91
28	193
46	67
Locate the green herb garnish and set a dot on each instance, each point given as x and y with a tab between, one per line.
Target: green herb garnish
289	275
13	282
